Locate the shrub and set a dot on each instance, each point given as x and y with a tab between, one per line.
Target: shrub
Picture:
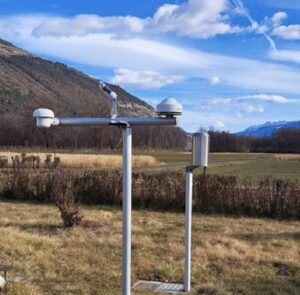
64	195
52	162
269	197
24	161
3	162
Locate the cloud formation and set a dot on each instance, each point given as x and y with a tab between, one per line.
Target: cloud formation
268	98
252	109
278	99
291	32
198	19
286	55
146	54
278	17
143	79
194	18
88	24
214	80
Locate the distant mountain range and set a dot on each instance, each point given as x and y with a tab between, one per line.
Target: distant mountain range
268	128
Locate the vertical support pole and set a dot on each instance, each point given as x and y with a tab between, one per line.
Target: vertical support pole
188	228
126	258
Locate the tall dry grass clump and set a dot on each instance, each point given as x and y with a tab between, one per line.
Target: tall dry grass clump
70	161
287	157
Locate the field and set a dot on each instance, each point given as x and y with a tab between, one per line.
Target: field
253	165
230	256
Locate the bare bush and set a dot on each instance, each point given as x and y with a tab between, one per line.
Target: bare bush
52	162
30	161
24	161
48	161
17	185
3	162
56	162
64	194
16	162
164	191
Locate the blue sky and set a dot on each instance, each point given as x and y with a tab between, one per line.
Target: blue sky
231	63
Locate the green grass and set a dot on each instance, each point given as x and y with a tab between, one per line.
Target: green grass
259	168
230	255
255	165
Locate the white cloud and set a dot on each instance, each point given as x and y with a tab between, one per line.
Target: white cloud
267	97
278	17
194	18
143	79
198	19
214	80
278	99
286	55
141	54
252	109
88	24
291	32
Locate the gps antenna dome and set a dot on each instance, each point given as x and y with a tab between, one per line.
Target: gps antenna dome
169	107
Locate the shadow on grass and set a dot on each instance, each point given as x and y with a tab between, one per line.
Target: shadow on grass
270	236
41	228
51	228
264	286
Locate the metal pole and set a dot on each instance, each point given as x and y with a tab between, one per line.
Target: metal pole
188	228
126	258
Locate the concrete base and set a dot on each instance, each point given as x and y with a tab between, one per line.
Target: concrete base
159	287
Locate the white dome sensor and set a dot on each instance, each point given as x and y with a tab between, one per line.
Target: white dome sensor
169	107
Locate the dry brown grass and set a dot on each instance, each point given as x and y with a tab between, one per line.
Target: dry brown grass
89	161
287	157
230	255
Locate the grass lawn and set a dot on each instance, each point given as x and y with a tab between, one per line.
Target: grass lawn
230	255
255	165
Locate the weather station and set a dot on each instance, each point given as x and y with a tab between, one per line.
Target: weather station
167	112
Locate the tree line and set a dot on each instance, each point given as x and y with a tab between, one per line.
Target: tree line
22	131
285	140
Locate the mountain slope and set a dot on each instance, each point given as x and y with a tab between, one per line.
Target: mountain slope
268	128
28	82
